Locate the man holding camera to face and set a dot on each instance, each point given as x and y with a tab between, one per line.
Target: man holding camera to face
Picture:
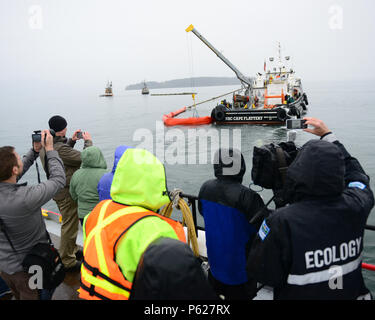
67	207
311	248
21	222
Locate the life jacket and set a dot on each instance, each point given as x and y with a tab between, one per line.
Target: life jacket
101	277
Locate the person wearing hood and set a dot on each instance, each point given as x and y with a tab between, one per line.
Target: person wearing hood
83	185
118	231
311	249
227	206
104	185
168	270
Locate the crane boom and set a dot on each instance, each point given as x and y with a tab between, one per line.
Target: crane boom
239	75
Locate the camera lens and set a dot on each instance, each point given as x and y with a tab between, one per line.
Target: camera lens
36	137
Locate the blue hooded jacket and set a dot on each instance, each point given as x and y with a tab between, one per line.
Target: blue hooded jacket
104	185
227	206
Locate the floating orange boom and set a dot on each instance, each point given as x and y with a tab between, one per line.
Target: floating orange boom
169	119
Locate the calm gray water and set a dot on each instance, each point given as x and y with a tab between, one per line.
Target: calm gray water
345	107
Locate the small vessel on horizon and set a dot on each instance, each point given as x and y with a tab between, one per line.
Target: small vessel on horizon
145	89
108	90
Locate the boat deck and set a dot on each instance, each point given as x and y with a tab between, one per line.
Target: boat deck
67	290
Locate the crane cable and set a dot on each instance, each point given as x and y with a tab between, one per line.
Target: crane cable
187	218
192	84
190	60
214	98
191	71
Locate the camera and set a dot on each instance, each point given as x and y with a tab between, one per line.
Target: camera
80	135
37	135
270	163
296	124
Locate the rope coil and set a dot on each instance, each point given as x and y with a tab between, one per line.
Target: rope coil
187	218
175	195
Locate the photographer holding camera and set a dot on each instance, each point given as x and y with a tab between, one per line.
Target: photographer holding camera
21	222
311	249
67	207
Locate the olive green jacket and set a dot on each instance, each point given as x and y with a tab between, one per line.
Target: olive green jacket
84	183
71	159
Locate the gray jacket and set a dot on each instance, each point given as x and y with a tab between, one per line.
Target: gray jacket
20	210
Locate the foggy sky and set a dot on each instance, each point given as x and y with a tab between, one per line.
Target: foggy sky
90	41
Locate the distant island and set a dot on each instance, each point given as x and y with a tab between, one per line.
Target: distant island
187	83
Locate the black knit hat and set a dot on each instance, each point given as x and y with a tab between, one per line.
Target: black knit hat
57	123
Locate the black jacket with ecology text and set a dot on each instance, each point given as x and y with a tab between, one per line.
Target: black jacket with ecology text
311	249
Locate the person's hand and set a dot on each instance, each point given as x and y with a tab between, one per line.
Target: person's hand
37	146
86	136
47	140
74	137
319	129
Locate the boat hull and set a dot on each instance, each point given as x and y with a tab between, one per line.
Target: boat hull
250	117
267	116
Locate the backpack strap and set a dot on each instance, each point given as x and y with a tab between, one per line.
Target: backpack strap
2	228
283	167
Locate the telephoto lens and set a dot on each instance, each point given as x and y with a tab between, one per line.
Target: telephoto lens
36	136
52	132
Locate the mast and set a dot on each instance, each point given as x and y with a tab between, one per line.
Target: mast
245	80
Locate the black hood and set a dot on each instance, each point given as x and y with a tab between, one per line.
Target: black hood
227	165
168	270
317	171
